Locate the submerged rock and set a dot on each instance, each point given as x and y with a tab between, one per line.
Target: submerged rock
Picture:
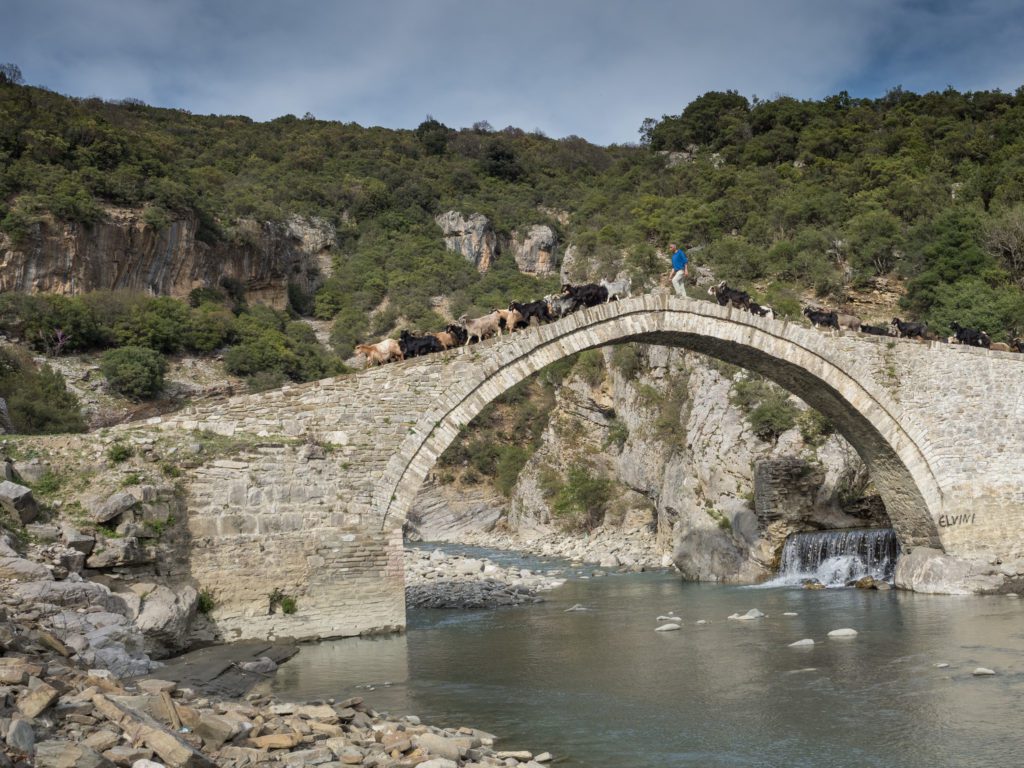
844	632
753	613
805	643
983	672
667	628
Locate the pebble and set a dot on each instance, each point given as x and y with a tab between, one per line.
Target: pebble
941	665
790	613
805	643
844	632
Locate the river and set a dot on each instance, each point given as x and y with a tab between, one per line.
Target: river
601	688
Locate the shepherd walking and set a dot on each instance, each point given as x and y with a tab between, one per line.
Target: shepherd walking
680	269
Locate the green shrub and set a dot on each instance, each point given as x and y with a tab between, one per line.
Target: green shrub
767	408
136	372
119	452
590	367
206	602
580	503
38	400
814	427
627	360
286	603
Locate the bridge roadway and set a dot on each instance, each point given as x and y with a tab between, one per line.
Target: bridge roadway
315	504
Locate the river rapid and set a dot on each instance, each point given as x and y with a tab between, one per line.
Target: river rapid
601	688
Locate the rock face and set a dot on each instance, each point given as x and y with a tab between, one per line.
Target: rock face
122	251
166	617
535	250
448	513
473	237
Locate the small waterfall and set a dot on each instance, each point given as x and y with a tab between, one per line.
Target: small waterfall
837	557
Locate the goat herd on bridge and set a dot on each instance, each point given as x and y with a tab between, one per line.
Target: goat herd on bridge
574	297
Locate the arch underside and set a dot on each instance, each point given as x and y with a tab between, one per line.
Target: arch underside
864	417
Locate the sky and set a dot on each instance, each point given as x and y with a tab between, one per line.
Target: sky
590	68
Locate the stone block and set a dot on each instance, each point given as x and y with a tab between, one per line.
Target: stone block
19	501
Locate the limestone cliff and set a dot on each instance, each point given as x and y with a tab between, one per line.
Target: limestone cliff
124	252
535	249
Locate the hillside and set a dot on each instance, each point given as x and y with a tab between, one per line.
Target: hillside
847	202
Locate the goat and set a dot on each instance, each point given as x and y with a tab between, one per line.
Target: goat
480	328
875	330
909	330
414	346
726	295
560	306
509	318
1017	345
458	333
381	352
970	336
999	346
761	311
589	295
821	317
446	339
534	309
850	322
618	289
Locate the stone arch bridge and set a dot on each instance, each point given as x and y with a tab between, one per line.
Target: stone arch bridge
313	502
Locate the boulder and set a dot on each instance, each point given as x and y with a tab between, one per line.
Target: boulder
113	507
23	569
74	539
805	643
118	552
844	632
473	237
667	628
433	744
983	672
165	619
37	700
59	753
20	737
750	615
934	572
18	500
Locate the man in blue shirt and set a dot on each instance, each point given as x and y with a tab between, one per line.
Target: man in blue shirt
680	270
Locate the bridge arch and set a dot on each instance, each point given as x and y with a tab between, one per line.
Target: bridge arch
805	362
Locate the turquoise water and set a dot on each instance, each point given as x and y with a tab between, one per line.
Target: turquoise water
602	688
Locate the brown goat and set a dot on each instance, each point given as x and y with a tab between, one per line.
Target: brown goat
381	352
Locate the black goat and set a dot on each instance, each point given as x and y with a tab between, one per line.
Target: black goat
458	333
875	330
756	309
413	346
589	295
821	317
909	330
726	295
970	336
538	309
1017	345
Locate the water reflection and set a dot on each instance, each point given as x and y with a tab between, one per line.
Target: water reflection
605	689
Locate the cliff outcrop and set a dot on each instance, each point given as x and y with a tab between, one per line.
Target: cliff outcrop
534	249
123	251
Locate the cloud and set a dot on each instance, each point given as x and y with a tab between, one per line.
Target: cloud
563	66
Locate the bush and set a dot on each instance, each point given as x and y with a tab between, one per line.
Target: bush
206	602
768	409
38	400
136	372
119	452
580	503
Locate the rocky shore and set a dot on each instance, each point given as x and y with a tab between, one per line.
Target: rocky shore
57	713
436	579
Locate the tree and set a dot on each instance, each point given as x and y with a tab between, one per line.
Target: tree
134	371
10	73
433	135
1004	238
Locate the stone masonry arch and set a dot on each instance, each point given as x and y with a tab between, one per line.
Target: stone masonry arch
803	361
312	499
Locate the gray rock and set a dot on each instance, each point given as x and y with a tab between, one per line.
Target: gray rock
71	594
934	572
74	539
20	737
805	643
983	672
23	569
750	615
668	628
43	532
18	500
117	552
113	507
844	632
262	665
438	745
59	753
439	762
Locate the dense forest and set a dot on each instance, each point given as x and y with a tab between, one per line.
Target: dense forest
783	197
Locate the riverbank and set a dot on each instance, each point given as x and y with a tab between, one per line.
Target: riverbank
56	713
